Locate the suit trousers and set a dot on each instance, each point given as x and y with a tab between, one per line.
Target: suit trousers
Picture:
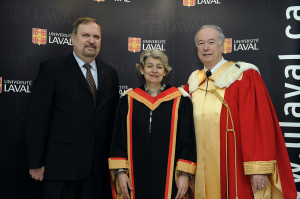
88	188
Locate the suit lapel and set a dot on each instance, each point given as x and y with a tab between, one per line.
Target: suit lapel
100	73
76	72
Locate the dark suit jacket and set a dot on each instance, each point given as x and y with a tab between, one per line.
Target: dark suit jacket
66	132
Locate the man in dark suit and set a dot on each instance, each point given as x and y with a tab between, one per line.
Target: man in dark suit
71	118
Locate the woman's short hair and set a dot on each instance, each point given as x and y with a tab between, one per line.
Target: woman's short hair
157	54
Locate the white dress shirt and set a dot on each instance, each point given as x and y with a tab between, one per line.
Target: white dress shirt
93	69
223	61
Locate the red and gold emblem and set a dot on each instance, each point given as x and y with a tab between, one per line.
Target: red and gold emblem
39	36
227	45
134	44
189	3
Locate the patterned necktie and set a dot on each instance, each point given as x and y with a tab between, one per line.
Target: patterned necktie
90	81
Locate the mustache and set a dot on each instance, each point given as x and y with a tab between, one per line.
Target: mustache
91	45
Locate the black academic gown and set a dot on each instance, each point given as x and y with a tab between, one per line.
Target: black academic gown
159	135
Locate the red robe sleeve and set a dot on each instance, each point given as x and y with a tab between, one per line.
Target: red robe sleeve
263	146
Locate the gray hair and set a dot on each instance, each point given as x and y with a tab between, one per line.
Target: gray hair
218	28
157	54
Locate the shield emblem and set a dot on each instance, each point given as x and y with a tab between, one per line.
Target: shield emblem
39	36
227	45
134	44
189	3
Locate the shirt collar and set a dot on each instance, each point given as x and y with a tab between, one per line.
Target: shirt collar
223	61
81	63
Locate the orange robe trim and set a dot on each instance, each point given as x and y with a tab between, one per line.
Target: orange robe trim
153	102
170	168
129	143
186	166
116	163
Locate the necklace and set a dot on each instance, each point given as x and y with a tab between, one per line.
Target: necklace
158	92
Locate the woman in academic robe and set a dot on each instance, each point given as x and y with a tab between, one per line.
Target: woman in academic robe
153	150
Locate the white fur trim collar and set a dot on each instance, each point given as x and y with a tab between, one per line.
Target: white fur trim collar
233	73
227	78
193	81
184	93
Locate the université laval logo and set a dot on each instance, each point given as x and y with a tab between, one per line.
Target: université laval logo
134	44
227	48
39	36
189	3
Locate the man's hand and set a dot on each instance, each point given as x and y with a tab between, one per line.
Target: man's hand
37	174
182	185
259	182
124	184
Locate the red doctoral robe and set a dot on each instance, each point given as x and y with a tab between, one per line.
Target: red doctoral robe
235	101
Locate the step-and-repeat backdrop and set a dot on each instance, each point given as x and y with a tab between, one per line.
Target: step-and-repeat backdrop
263	32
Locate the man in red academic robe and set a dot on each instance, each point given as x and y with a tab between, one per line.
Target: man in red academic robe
240	148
